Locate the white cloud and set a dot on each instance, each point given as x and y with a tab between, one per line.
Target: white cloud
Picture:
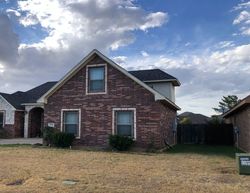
205	77
243	18
225	44
120	59
88	21
72	28
29	20
242	5
1	68
154	20
144	54
12	11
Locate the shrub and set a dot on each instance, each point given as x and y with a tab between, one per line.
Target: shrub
48	133
61	139
3	133
121	143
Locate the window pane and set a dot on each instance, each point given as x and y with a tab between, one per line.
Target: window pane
96	79
96	73
124	118
71	128
96	85
71	117
124	123
70	122
125	130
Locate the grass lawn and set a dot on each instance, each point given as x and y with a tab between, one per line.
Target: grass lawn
183	169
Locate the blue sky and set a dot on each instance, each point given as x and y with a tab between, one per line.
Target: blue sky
205	44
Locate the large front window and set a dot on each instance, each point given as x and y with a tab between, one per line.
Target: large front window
96	82
1	120
71	122
124	123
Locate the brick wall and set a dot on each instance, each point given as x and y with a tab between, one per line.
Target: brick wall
16	129
19	123
241	119
8	131
154	120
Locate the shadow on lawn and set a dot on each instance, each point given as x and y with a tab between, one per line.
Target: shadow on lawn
216	150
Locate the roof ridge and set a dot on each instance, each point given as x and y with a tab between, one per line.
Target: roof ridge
146	69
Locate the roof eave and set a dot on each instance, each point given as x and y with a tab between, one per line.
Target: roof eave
236	108
175	82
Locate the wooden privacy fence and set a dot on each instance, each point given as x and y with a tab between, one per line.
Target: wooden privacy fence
211	134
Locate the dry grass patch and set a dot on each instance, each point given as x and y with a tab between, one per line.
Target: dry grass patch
26	169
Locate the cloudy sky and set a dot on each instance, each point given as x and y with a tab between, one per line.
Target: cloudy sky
205	44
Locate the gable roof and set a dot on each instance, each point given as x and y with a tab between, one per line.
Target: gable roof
244	102
35	93
194	117
155	75
18	98
84	61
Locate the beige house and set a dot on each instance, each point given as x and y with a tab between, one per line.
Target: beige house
239	116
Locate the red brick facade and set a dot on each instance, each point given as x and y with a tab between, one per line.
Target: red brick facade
154	121
241	119
15	130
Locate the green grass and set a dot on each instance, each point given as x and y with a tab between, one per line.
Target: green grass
228	151
15	145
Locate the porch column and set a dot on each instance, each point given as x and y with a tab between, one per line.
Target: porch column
26	124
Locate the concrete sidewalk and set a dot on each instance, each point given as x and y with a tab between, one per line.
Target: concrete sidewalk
20	141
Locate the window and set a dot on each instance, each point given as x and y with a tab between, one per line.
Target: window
1	120
70	122
124	122
96	79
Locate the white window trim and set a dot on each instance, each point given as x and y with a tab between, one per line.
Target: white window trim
79	119
4	116
123	109
87	79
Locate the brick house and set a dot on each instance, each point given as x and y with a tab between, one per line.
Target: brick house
98	98
20	109
239	116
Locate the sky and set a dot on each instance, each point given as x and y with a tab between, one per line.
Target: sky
205	44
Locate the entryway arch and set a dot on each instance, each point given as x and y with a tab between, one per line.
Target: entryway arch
36	117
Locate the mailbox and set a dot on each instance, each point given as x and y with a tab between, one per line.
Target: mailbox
243	163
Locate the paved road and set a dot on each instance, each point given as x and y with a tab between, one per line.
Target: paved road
20	141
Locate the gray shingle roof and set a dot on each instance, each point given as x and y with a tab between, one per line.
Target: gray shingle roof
154	75
30	96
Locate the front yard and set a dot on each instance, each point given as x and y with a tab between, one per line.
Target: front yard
211	169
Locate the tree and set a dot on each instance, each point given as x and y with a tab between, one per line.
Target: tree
185	121
227	103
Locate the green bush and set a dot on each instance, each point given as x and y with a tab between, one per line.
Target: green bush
121	143
3	133
48	134
61	139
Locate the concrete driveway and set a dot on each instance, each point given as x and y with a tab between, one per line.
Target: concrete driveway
20	141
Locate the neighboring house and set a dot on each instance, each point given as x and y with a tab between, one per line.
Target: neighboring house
17	107
239	116
193	118
98	98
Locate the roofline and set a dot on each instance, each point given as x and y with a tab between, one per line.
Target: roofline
236	107
83	62
7	101
31	104
166	80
